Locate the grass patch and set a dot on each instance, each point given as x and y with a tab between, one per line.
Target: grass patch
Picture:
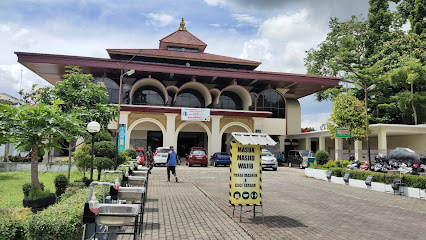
11	194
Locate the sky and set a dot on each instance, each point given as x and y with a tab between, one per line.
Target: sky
274	32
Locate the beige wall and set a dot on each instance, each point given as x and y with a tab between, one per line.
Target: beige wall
415	142
274	126
293	116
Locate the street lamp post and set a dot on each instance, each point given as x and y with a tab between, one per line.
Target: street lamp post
93	128
366	90
128	73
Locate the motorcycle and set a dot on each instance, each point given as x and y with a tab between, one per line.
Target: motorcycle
354	165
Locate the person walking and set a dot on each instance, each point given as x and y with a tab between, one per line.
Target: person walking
171	164
149	158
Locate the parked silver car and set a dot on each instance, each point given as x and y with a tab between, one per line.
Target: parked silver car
269	160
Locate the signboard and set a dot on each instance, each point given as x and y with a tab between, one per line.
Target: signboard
342	133
121	137
245	175
195	114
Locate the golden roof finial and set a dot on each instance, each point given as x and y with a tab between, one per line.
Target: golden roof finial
182	26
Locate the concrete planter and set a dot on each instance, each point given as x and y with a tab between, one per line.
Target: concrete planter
12	167
375	186
39	204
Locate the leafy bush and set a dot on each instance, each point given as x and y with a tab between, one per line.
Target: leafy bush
62	220
14	223
342	163
330	164
36	193
83	158
121	158
322	157
26	188
105	149
101	163
102	135
61	183
130	152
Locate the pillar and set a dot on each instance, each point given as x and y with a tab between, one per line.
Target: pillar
216	140
308	143
358	150
338	151
282	142
382	142
321	143
124	119
170	138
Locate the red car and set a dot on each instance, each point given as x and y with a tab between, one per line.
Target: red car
197	155
140	156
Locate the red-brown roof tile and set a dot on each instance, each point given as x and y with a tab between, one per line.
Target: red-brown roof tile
182	38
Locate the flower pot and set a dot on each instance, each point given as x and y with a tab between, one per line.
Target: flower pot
39	204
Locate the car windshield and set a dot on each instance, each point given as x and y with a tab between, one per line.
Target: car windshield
163	150
266	153
223	154
199	152
138	153
306	153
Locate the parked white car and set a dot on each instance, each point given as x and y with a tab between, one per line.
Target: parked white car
160	155
269	160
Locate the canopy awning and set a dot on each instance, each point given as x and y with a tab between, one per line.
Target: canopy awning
253	138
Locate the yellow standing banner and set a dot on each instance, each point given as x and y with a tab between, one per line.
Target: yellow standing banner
245	177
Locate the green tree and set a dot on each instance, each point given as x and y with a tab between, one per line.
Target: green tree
30	127
102	163
348	112
83	158
78	93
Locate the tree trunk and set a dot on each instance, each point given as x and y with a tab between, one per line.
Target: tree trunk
35	183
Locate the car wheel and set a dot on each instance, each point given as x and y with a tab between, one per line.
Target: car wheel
189	165
274	169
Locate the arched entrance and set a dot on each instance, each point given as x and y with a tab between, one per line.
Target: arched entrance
192	134
145	132
225	134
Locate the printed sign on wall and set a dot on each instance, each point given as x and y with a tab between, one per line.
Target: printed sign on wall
245	175
122	137
195	114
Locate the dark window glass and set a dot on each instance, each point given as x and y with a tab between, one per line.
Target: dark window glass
125	93
190	98
148	95
111	87
171	97
271	101
253	101
230	100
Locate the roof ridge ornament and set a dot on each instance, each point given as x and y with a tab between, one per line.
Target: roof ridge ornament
182	26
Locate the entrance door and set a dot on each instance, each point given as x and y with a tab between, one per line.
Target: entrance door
187	140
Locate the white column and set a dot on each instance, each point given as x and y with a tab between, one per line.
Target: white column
382	141
282	142
124	119
338	151
170	138
322	143
358	150
216	140
308	143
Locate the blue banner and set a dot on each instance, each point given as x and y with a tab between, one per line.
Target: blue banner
122	137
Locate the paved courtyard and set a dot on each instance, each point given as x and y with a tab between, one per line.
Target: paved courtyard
295	207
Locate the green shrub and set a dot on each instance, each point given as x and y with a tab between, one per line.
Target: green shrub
101	163
36	193
82	157
14	223
62	220
105	149
102	135
322	157
130	152
342	163
121	158
61	183
330	164
26	188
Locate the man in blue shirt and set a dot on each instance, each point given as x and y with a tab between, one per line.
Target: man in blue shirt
171	164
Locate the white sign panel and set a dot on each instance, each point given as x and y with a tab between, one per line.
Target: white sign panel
195	114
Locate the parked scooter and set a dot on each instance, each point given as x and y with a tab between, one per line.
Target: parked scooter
354	165
381	164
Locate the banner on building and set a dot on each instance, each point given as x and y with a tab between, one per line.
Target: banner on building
195	114
122	137
245	175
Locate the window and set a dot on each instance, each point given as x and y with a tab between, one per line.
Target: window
148	95
171	97
190	98
271	101
253	101
125	93
112	89
230	100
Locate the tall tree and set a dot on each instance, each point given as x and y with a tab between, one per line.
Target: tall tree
348	112
78	92
30	127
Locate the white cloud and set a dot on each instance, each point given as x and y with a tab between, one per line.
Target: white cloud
315	120
161	19
214	2
214	25
244	19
